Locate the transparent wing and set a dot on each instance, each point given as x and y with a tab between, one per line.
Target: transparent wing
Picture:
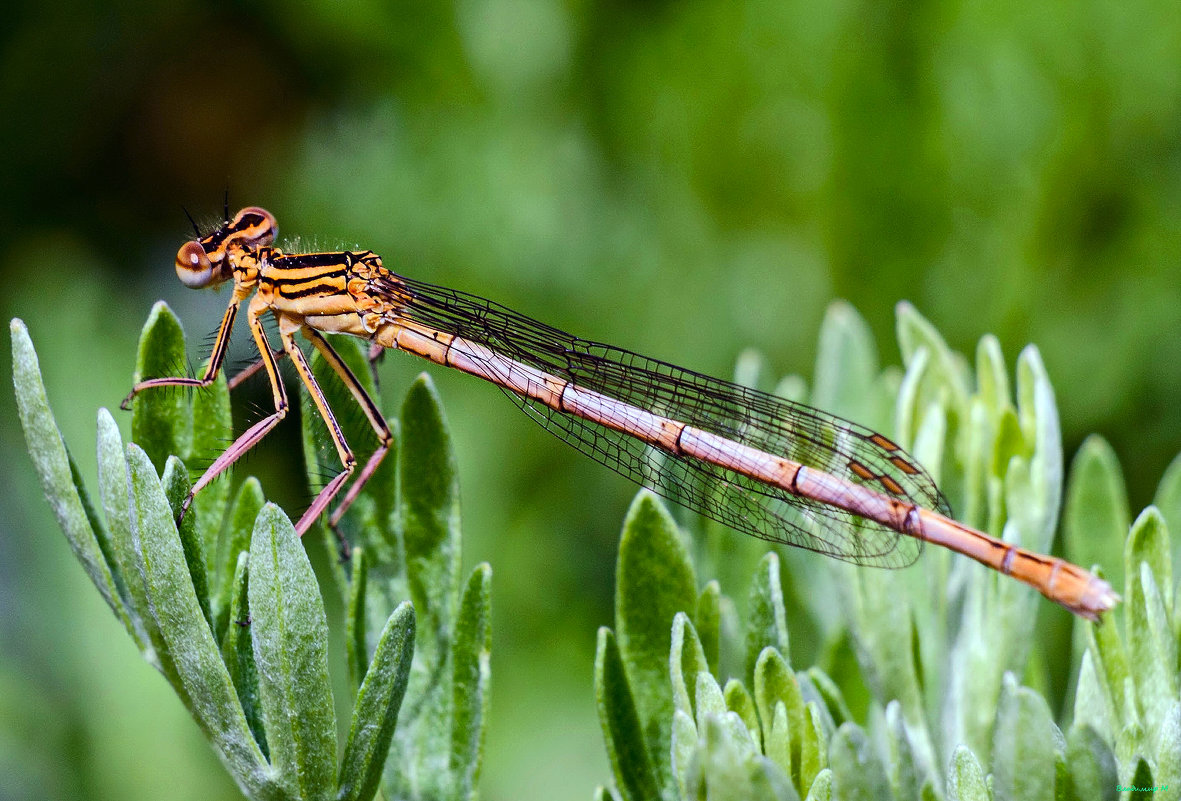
771	424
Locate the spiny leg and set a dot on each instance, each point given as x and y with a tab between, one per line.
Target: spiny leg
347	459
215	360
260	429
372	413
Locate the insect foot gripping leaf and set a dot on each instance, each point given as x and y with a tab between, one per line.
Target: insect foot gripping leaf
227	608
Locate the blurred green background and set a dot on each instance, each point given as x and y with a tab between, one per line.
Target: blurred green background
684	179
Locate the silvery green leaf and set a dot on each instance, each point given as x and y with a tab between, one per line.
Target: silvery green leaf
55	471
655	580
622	731
375	714
290	634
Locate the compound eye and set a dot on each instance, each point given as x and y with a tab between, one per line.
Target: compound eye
193	266
254	227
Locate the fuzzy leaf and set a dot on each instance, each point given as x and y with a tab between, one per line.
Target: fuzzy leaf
739	701
729	771
428	528
1168	500
622	731
290	633
857	773
686	660
472	650
1152	648
237	651
375	714
176	488
654	581
52	462
113	490
1091	765
767	619
1095	517
205	684
161	418
775	683
965	778
821	789
779	737
213	429
429	513
1148	544
846	366
813	746
233	541
709	622
684	748
1025	744
356	641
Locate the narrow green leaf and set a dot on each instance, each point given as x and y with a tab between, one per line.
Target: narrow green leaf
813	746
1037	411
709	623
830	696
1168	743
52	462
1111	667
821	789
1095	518
684	748
234	540
948	372
686	660
1168	500
1025	744
1148	544
176	488
237	651
161	418
356	641
965	777
992	380
654	581
905	774
375	715
846	365
213	430
710	701
857	773
622	731
775	683
1093	703
290	633
767	619
473	675
205	684
1152	647
112	483
429	514
1091	765
740	702
730	771
428	526
779	737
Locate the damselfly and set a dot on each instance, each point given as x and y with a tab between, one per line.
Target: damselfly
760	464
